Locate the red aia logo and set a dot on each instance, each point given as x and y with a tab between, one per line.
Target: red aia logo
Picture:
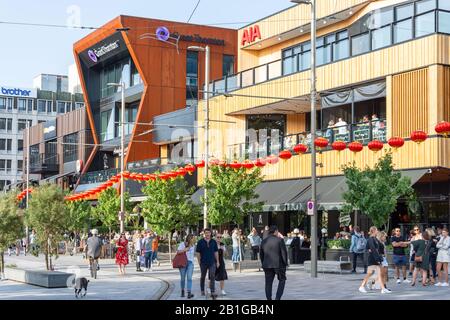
250	35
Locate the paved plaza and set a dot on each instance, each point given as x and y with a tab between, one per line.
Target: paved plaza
163	283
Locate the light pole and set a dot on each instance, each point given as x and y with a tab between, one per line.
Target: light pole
206	111
314	241
122	155
28	181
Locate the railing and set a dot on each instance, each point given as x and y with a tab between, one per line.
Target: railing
363	132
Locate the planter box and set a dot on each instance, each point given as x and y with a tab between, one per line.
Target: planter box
343	254
46	279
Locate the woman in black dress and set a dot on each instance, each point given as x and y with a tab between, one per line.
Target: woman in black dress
221	272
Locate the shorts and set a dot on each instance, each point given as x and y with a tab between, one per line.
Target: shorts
399	260
384	263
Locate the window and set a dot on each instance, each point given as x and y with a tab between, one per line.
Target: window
2	165
115	73
444	22
191	78
70	147
425	5
4	183
6	104
8	165
5	124
41	105
20	145
341	48
5	144
360	44
79	105
323	54
105	116
381	18
8	144
30	105
275	124
49	106
19	165
289	62
381	37
61	107
227	65
444	4
424	24
403	31
135	76
22	104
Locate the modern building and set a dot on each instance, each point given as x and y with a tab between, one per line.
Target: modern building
162	79
51	82
383	70
17	107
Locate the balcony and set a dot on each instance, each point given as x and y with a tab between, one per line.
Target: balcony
44	163
363	132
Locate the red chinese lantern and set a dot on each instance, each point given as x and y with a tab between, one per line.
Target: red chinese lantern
214	162
200	164
113	179
190	169
443	128
235	165
109	183
300	148
355	146
285	155
126	174
132	176
321	143
418	136
152	176
338	146
375	145
163	176
172	174
272	159
396	142
248	164
259	162
140	177
181	171
223	163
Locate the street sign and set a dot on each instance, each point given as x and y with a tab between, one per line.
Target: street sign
345	219
310	206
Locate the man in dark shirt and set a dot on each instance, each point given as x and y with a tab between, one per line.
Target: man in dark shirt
208	260
399	244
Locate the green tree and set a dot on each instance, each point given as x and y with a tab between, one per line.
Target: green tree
79	216
47	215
375	191
231	194
11	224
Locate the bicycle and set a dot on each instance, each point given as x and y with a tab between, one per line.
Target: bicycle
93	265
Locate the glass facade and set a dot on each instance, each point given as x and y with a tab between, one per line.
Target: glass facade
192	78
227	65
70	147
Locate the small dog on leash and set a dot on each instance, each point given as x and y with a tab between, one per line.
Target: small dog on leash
81	285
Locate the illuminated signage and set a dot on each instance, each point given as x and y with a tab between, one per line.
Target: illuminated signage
250	35
198	38
94	54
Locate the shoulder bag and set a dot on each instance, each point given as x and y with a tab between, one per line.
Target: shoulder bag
180	260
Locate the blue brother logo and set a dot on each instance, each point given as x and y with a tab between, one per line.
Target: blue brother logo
16	92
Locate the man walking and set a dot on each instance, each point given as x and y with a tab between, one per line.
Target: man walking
358	248
274	261
399	244
208	260
147	247
138	249
255	242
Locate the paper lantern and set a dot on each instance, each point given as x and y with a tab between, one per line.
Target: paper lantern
248	164
200	164
419	136
375	145
259	162
396	142
190	169
300	148
339	146
285	155
443	128
355	146
235	165
272	159
321	143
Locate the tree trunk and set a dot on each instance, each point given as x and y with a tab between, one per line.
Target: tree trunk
46	260
110	244
170	247
2	265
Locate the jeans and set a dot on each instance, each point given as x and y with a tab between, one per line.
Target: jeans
148	259
138	260
355	257
255	250
187	271
433	258
269	276
155	255
212	275
236	256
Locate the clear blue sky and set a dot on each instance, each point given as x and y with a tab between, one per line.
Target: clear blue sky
28	51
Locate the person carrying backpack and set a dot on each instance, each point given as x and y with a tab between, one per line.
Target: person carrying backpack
358	248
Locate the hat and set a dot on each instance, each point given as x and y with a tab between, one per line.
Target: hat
94	231
296	230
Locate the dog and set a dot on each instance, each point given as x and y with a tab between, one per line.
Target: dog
81	285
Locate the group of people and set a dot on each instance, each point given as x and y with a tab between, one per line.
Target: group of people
341	126
429	255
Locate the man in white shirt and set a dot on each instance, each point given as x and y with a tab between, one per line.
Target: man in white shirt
138	248
341	125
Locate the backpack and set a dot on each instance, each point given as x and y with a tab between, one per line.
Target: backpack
361	244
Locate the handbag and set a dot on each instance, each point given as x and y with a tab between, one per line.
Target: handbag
180	260
418	259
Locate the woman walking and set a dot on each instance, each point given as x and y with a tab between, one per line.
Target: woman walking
421	246
187	246
122	253
236	257
381	237
443	258
221	272
432	273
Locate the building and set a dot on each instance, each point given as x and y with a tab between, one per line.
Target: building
162	81
51	82
17	107
387	60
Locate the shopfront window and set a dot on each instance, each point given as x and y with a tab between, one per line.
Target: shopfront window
271	126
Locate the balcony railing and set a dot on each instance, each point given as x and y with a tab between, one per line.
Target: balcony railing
363	132
44	163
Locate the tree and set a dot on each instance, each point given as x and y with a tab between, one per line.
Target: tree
79	214
108	208
231	194
47	215
375	191
11	224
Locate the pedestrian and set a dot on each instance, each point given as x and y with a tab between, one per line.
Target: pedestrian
421	246
295	247
358	248
432	272
274	260
138	245
122	253
187	246
382	237
265	232
399	244
374	261
236	256
443	258
323	244
155	245
221	272
147	246
208	259
255	243
33	243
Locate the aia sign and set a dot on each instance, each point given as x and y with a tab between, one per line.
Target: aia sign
250	35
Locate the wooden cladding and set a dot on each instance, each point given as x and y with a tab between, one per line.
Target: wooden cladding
410	107
446	93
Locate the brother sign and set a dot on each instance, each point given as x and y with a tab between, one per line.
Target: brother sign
6	91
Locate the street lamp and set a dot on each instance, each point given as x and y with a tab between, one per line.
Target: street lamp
122	148
206	111
314	241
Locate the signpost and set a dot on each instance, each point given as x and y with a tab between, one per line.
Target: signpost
310	208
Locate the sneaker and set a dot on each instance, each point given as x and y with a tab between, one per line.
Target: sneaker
190	295
203	293
399	281
224	293
362	290
353	271
406	281
385	290
444	284
438	284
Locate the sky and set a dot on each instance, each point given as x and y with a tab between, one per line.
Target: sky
26	51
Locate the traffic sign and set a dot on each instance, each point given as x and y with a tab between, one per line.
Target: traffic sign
310	208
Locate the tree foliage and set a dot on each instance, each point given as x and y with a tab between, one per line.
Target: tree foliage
46	214
375	191
108	207
168	205
79	213
231	194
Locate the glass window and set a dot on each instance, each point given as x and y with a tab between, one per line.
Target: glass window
227	65
287	53
8	144
342	35
22	104
8	165
444	4
305	60
21	124
403	31
424	24
341	49
61	107
289	65
41	105
30	105
381	37
49	106
306	46
444	22
381	17
323	55
403	12
425	5
9	124
360	44
19	145
19	165
70	147
105	116
2	103
53	107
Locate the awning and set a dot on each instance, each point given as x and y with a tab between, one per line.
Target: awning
53	178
